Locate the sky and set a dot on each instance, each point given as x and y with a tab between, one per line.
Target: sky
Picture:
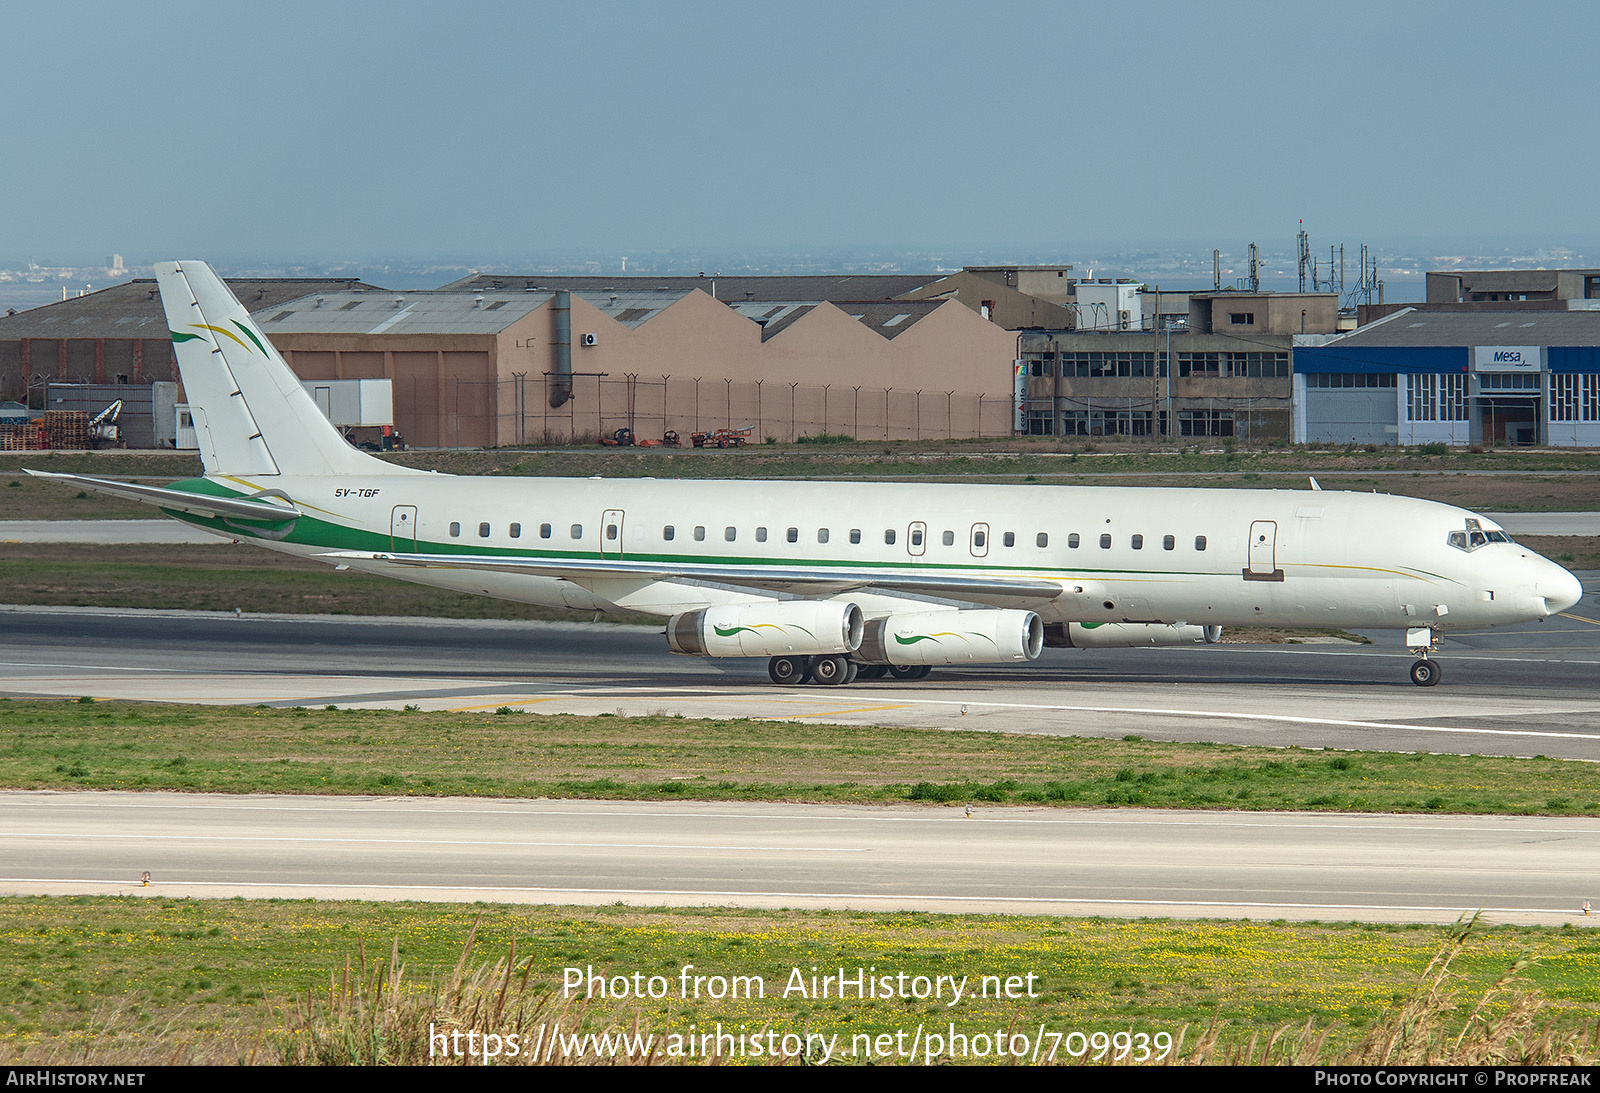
494	130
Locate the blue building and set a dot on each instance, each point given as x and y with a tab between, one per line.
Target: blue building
1513	377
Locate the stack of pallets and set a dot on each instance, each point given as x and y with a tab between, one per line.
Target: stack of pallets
52	429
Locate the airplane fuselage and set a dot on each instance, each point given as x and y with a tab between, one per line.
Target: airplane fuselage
1196	556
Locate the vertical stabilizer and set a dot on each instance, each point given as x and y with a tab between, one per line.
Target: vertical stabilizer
251	415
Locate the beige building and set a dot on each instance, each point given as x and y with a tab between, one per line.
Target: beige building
515	366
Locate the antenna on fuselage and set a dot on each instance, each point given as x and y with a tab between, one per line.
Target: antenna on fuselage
1315	486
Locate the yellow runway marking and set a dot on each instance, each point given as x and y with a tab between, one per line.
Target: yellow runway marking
1578	618
509	702
832	713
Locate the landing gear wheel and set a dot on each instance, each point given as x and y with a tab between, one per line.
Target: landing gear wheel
1424	673
789	671
831	671
852	670
873	671
909	672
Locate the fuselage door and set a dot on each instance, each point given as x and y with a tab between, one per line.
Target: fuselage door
1263	552
917	538
611	534
403	529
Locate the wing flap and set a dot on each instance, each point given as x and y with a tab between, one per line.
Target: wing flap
775	578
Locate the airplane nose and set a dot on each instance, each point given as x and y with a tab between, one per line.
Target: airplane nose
1559	589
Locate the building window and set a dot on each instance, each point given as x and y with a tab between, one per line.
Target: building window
1241	318
1205	422
1436	396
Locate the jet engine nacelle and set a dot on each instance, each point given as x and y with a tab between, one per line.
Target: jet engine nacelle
767	629
1126	635
953	637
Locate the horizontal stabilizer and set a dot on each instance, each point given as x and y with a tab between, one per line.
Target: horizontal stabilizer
771	578
180	500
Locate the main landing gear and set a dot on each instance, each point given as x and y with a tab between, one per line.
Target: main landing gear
1421	641
836	670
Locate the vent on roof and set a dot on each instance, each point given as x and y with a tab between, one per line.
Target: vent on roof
477	302
351	306
399	302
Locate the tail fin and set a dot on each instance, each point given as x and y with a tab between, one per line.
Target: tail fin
250	413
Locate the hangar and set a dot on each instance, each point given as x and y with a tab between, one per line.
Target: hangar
1484	377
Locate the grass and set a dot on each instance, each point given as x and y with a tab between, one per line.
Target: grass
102	745
127	980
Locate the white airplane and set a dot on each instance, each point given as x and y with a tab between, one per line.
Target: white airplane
829	580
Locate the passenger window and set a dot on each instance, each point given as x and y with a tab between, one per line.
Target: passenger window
455	530
483	531
1199	542
699	533
1043	539
1105	542
888	537
1009	539
793	535
916	537
1138	542
979	539
761	535
544	531
669	532
1072	541
611	533
822	535
577	531
1168	542
516	531
949	538
855	536
730	534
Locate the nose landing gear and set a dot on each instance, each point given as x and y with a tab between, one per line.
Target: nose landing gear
1422	640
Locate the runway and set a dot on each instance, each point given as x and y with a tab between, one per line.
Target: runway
1113	862
1521	691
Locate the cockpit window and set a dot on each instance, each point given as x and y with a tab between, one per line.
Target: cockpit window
1474	537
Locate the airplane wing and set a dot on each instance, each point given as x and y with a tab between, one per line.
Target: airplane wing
180	500
774	578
